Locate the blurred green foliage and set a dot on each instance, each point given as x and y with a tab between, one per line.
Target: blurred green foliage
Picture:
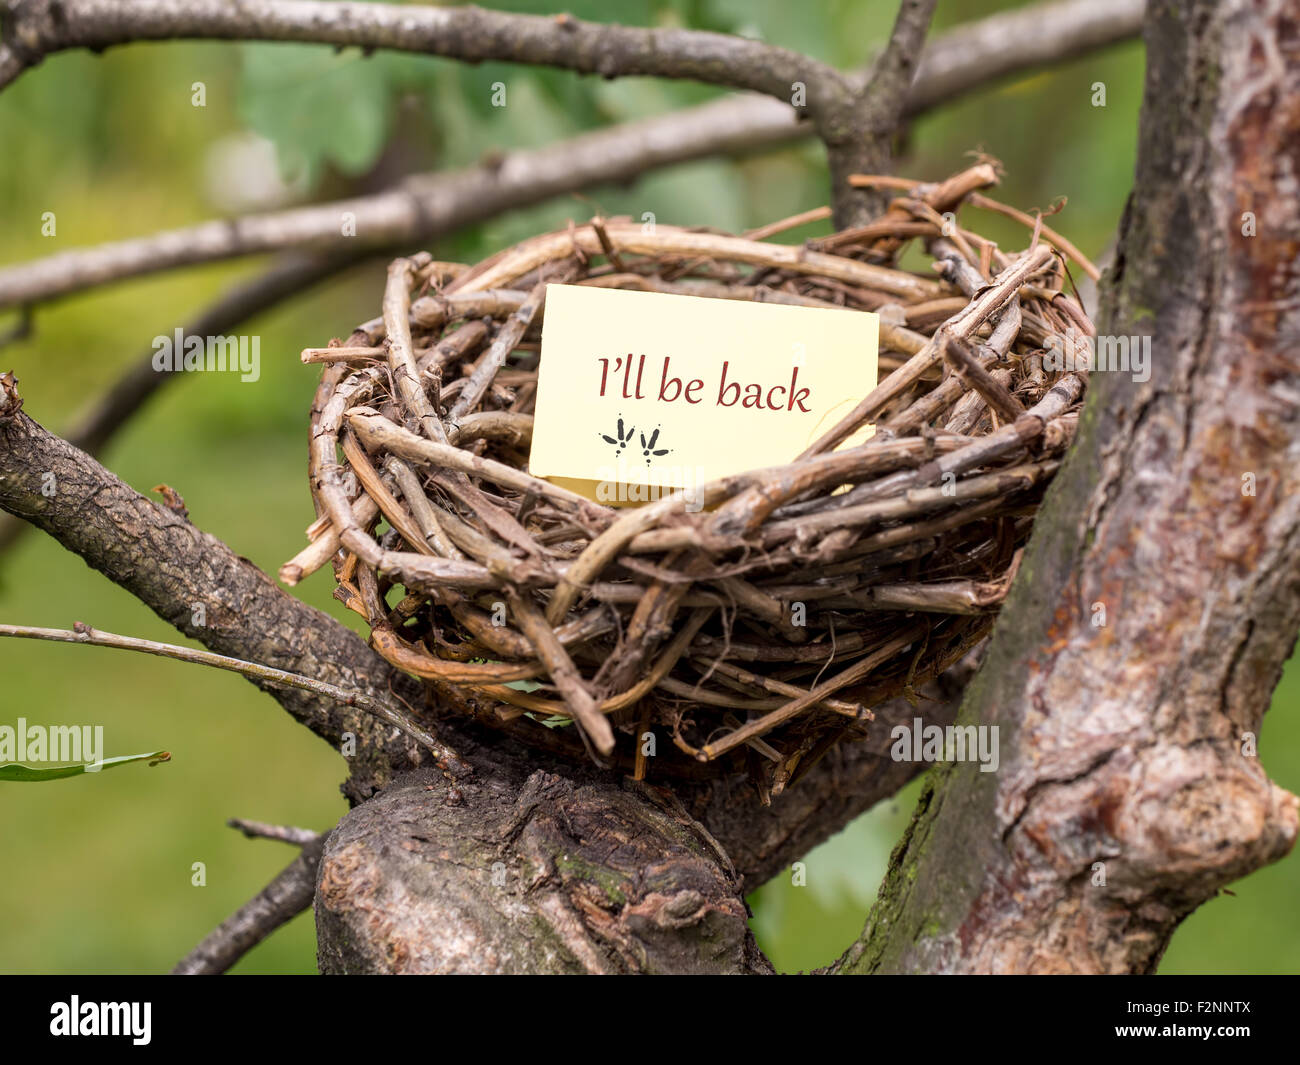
101	869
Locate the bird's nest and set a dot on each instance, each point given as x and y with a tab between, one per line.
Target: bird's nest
748	635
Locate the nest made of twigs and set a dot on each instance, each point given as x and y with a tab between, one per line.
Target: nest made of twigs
753	634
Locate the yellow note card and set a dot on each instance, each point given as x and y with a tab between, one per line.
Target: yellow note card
643	393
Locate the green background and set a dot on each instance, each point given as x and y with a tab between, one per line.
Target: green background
98	870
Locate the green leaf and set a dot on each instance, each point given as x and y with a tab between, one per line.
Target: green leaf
27	774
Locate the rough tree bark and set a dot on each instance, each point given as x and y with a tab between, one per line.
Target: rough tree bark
568	869
1128	746
196	583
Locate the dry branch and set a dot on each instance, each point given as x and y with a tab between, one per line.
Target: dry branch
299	837
34	29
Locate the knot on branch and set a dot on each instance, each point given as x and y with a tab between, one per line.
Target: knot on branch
562	876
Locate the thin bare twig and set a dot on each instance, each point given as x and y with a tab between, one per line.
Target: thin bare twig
268	674
969	370
299	837
288	895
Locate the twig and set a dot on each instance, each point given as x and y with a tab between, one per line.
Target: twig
288	895
200	586
507	337
995	394
843	679
577	697
299	837
268	674
1036	223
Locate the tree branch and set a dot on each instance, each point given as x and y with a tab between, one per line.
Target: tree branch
37	28
276	904
299	837
200	586
1013	42
1130	675
419	207
859	133
428	205
266	675
891	77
